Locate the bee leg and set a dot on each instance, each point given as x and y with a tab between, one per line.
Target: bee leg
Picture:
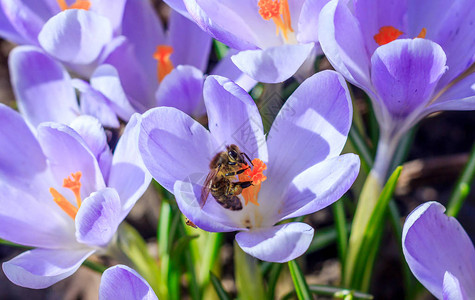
244	184
237	172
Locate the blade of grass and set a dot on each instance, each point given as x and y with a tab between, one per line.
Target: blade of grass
362	149
342	232
274	274
301	287
220	49
249	281
462	187
222	294
337	292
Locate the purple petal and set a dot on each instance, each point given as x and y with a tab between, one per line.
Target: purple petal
75	36
121	282
41	268
320	185
312	125
405	73
98	218
209	216
452	289
128	175
143	28
279	243
94	103
25	19
105	79
274	64
183	89
229	25
342	41
179	6
112	10
434	244
191	45
226	68
233	117
68	153
95	137
42	87
138	85
308	21
174	146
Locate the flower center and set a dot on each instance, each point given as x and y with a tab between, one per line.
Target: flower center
79	4
278	11
164	63
388	34
74	185
254	174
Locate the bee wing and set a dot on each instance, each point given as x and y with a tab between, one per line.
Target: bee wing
207	186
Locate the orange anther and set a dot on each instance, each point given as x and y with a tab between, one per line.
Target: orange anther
269	8
65	205
422	34
164	65
255	174
79	4
74	185
279	12
386	35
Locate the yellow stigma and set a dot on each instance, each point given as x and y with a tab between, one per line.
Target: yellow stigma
164	63
250	194
278	11
74	185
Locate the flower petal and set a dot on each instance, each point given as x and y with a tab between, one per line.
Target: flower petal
41	268
173	146
98	218
308	21
233	117
452	289
434	244
405	73
128	174
277	244
42	87
121	282
342	41
274	64
105	79
112	10
68	153
191	45
226	68
183	89
312	126
319	186
75	36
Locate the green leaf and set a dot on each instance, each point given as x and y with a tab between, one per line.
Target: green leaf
274	274
222	294
249	282
337	292
301	287
342	232
220	49
362	149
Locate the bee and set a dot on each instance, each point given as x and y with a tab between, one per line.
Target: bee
224	167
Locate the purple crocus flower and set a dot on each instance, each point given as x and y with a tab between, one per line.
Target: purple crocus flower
63	193
121	282
408	78
250	26
80	34
297	169
439	252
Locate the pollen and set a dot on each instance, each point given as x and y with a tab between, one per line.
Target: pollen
79	4
164	63
386	35
256	175
422	34
279	12
73	183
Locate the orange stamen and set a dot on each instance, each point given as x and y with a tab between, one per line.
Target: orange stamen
386	35
79	4
279	12
422	34
164	65
255	174
74	185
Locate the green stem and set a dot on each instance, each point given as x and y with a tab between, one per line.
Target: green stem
342	232
462	187
337	292
301	287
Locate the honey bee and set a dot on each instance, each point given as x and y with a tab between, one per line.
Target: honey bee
223	168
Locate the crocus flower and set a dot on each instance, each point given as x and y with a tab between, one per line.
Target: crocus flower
296	171
63	193
439	252
274	37
121	282
80	34
410	57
